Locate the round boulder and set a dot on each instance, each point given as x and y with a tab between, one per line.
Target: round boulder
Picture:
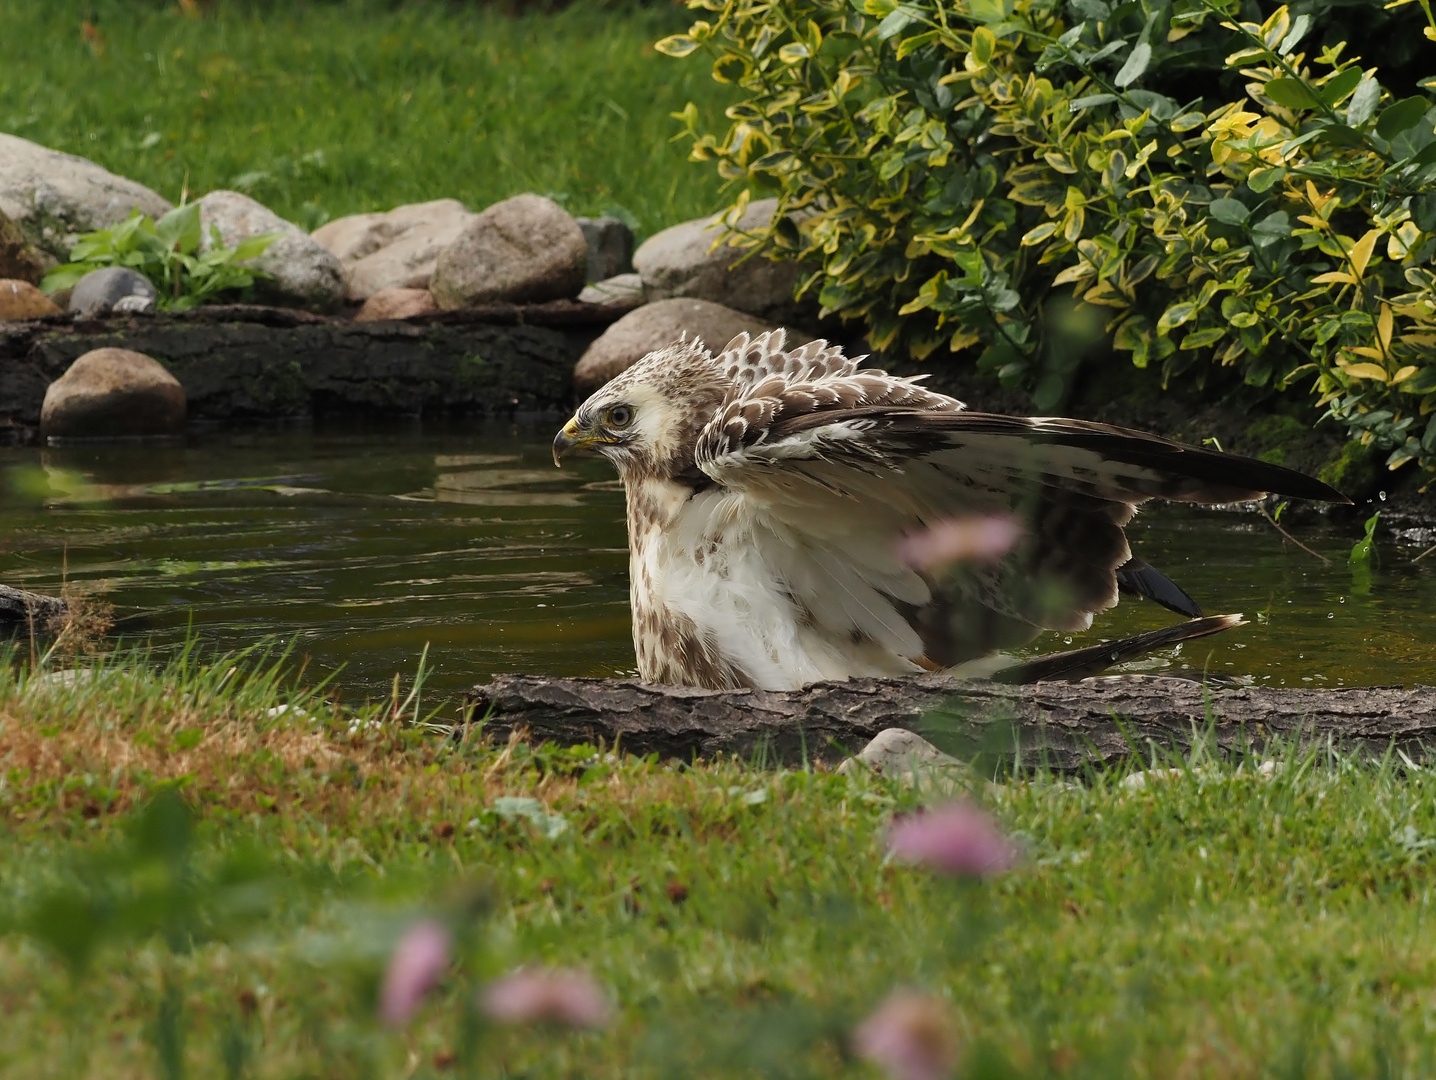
655	325
21	300
302	271
396	250
692	259
523	250
113	288
113	393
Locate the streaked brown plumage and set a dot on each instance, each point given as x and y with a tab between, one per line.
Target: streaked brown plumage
768	491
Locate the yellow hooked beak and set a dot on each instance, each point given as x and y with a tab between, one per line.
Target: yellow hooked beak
571	438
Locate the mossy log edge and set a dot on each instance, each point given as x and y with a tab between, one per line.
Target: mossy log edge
243	362
1066	725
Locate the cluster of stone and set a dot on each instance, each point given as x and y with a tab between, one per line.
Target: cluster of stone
408	262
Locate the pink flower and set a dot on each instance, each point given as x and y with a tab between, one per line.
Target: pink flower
959	540
910	1037
555	996
954	839
419	962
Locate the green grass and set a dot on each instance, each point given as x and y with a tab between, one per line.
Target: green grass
1208	924
327	109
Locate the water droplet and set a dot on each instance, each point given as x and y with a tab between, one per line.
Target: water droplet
1382	496
1331	614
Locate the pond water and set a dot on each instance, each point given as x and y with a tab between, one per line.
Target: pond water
362	544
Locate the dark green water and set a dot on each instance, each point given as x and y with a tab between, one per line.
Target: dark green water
363	544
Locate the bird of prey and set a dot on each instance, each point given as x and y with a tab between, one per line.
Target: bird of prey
769	492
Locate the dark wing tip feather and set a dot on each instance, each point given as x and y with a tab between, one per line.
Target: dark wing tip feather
1095	659
1144	580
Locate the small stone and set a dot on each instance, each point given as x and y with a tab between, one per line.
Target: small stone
18	260
653	326
394	250
113	288
396	304
54	197
623	289
523	250
21	300
899	754
610	247
303	272
682	261
109	393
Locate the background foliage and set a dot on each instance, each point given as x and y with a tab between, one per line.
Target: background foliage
324	109
1233	191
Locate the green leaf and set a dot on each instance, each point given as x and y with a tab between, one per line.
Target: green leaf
1291	94
1339	135
1363	102
1403	115
1229	211
1364	548
253	246
895	23
1089	101
1262	180
1175	315
1341	84
179	230
1295	34
676	45
1134	67
1200	339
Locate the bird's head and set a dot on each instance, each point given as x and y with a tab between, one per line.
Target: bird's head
646	421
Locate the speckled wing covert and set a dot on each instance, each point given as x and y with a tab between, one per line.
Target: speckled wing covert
836	463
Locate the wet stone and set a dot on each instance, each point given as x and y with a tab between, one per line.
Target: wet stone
113	393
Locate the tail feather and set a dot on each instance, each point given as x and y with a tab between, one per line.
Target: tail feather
1093	660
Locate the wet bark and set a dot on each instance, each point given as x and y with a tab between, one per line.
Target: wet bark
1068	725
24	613
238	362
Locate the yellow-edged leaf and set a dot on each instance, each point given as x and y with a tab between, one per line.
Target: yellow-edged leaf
1404	374
1361	252
1074	273
1335	277
1366	371
1384	325
964	339
1368	351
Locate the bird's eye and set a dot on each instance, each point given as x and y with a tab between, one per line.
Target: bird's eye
620	416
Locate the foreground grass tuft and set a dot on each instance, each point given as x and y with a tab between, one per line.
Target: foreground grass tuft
205	871
326	109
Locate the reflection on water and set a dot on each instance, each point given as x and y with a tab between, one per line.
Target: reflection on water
363	544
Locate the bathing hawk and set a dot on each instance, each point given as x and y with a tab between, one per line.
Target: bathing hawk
770	490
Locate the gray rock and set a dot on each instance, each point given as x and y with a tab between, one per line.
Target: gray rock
682	261
303	272
109	393
904	755
394	250
655	325
623	289
114	288
54	197
19	261
610	247
523	250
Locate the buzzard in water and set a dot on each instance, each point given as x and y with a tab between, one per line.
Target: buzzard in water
770	491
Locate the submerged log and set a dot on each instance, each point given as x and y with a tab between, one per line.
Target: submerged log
1067	725
241	361
28	613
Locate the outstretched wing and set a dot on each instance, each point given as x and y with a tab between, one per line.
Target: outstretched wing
835	469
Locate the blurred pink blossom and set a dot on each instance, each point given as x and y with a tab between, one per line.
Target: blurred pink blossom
957	838
553	995
959	540
910	1037
420	959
